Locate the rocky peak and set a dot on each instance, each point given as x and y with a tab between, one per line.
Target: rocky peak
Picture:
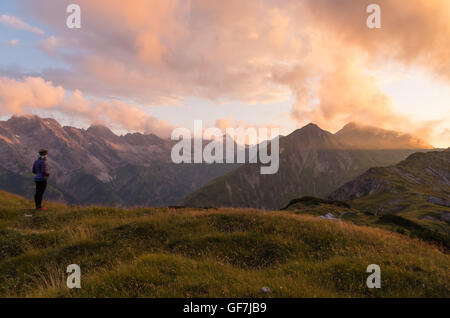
311	136
32	125
102	132
312	129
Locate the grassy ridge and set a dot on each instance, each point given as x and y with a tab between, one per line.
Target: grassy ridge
409	222
147	252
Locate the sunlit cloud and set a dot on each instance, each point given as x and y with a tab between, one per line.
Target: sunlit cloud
320	51
34	94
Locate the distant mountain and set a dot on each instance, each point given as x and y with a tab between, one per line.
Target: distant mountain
368	137
313	162
95	166
418	186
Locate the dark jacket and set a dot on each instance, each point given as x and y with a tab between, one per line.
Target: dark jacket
40	169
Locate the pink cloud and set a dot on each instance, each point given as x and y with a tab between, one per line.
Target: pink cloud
34	94
253	51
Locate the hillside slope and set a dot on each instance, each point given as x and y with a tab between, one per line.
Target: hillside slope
419	183
207	253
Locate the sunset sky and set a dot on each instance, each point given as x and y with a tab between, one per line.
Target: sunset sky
152	65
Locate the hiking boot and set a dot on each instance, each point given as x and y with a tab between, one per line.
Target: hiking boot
41	209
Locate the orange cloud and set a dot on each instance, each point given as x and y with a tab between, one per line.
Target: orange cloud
34	94
254	51
414	32
115	113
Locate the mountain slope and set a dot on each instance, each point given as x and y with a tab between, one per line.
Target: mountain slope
411	197
419	186
313	162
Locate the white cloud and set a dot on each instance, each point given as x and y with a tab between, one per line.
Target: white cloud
16	23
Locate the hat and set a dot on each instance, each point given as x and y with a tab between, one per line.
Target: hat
43	152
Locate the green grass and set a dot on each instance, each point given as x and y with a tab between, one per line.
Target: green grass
149	252
409	221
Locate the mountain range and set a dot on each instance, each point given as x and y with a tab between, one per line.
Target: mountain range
96	166
313	162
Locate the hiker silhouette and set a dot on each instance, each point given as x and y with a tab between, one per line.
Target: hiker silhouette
40	170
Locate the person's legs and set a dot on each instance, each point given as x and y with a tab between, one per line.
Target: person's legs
44	186
40	189
37	195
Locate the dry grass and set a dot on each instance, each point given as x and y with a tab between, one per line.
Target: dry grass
147	252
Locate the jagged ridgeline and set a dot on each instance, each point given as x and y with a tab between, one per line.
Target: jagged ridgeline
313	162
95	166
